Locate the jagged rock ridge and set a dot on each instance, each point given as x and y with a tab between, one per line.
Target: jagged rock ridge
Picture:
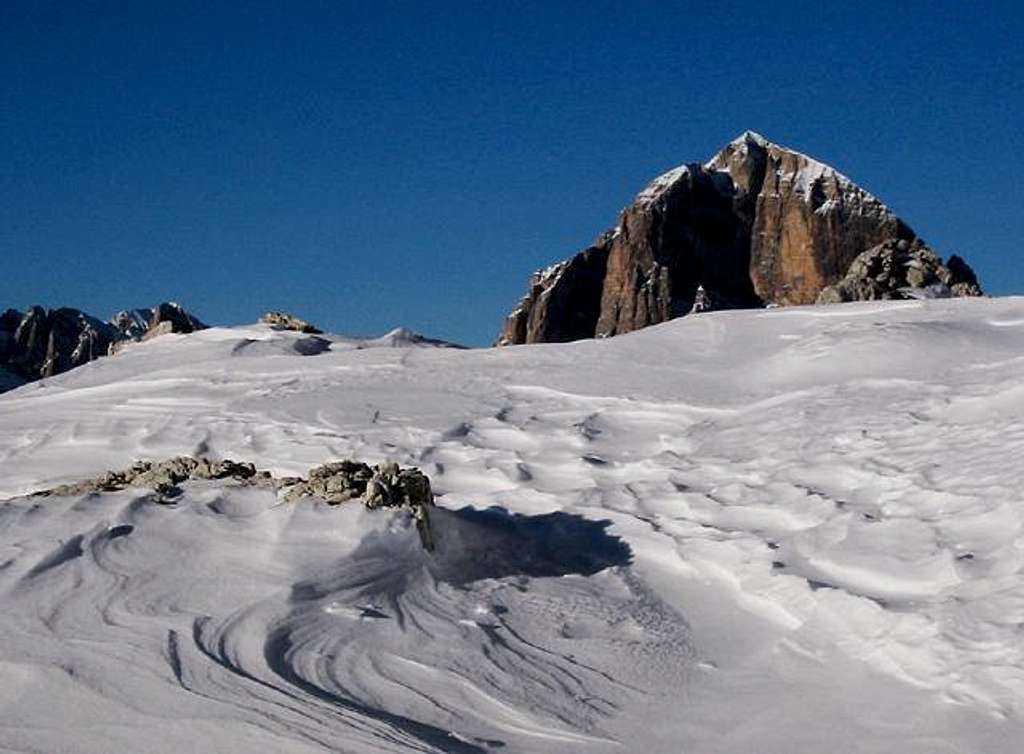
757	224
43	342
901	270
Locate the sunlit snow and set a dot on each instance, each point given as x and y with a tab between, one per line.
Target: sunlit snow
791	530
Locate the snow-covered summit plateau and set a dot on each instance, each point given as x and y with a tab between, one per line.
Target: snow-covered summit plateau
786	530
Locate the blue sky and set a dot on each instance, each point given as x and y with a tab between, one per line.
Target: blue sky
411	163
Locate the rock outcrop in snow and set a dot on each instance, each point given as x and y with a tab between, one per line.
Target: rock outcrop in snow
142	324
385	485
382	486
171	317
162	476
757	224
284	321
902	270
43	342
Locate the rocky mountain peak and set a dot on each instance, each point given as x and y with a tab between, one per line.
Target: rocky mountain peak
43	342
757	224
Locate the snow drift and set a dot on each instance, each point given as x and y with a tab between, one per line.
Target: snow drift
787	530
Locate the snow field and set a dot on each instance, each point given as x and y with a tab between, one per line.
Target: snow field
785	530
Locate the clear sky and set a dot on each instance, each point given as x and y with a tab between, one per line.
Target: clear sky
369	165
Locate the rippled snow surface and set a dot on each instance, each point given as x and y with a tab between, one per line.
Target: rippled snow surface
795	530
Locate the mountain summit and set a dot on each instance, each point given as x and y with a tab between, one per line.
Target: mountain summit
757	224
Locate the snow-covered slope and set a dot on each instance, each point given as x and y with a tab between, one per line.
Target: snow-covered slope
793	530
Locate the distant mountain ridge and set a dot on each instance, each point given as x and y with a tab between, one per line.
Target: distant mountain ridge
757	224
42	342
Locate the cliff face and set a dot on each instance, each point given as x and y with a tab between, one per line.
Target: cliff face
810	222
563	301
41	343
684	230
757	224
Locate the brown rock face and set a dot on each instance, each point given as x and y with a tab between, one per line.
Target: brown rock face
810	222
758	224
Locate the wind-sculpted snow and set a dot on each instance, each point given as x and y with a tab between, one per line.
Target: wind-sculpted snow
776	531
331	628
